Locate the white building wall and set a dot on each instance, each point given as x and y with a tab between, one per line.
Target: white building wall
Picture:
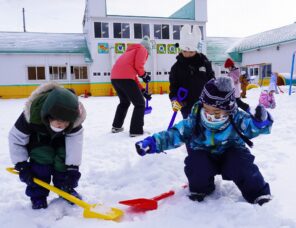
281	59
14	66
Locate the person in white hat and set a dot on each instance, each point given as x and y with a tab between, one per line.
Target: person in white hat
192	70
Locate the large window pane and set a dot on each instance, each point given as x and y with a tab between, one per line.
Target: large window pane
117	30
125	30
138	31
157	31
165	32
41	73
146	30
32	73
176	32
97	28
105	30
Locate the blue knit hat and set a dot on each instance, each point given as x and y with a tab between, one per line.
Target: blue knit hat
219	93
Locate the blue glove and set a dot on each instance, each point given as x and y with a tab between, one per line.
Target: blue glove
145	77
25	173
146	95
146	146
72	176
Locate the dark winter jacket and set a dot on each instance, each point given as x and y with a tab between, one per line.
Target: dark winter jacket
32	130
192	74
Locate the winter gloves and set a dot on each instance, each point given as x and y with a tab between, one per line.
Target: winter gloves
25	173
146	146
260	113
261	117
145	77
146	94
72	176
176	105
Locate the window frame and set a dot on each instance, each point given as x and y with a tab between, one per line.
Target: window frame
36	78
124	34
102	31
81	72
58	76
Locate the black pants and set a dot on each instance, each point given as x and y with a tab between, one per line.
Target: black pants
244	106
129	92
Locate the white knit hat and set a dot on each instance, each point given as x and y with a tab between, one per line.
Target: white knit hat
189	40
147	44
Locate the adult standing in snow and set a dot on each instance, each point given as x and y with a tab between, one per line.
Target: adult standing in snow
217	131
124	78
234	73
46	141
192	70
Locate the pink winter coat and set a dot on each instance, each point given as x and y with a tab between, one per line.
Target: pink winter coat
235	74
130	64
267	99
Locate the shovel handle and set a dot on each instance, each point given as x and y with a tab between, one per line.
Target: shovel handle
65	195
164	195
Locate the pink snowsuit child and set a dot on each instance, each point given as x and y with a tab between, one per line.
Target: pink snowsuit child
267	99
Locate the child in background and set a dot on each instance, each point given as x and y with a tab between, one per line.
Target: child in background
217	132
46	141
234	73
243	79
267	98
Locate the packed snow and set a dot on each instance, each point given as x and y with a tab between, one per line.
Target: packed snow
112	171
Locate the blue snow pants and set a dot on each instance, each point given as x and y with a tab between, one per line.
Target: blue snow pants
44	173
235	164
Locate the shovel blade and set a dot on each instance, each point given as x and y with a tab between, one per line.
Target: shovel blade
148	110
102	212
141	204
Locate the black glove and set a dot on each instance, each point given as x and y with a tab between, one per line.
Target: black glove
25	173
260	113
72	176
146	78
146	95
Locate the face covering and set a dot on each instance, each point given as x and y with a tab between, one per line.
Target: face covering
210	121
55	129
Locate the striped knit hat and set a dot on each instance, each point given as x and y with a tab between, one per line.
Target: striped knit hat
219	93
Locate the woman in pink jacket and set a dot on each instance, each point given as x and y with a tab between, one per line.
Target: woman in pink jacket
124	78
234	73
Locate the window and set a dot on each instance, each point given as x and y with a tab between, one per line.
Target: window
141	30
161	31
176	31
101	30
79	72
57	72
121	30
36	73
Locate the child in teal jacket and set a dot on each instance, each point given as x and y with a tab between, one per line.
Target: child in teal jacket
217	132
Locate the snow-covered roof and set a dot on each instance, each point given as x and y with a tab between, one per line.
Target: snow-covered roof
45	43
217	47
186	12
264	39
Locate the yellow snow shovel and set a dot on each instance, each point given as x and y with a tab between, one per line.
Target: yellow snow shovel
90	210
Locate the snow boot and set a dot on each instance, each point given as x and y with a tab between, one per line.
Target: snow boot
116	129
263	199
194	196
39	203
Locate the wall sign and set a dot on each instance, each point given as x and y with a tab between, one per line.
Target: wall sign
103	48
119	48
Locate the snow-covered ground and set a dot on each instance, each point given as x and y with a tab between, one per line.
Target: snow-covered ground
112	171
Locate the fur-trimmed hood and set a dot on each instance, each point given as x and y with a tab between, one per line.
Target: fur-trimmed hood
46	88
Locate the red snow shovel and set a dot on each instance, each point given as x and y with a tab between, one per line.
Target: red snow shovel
144	204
